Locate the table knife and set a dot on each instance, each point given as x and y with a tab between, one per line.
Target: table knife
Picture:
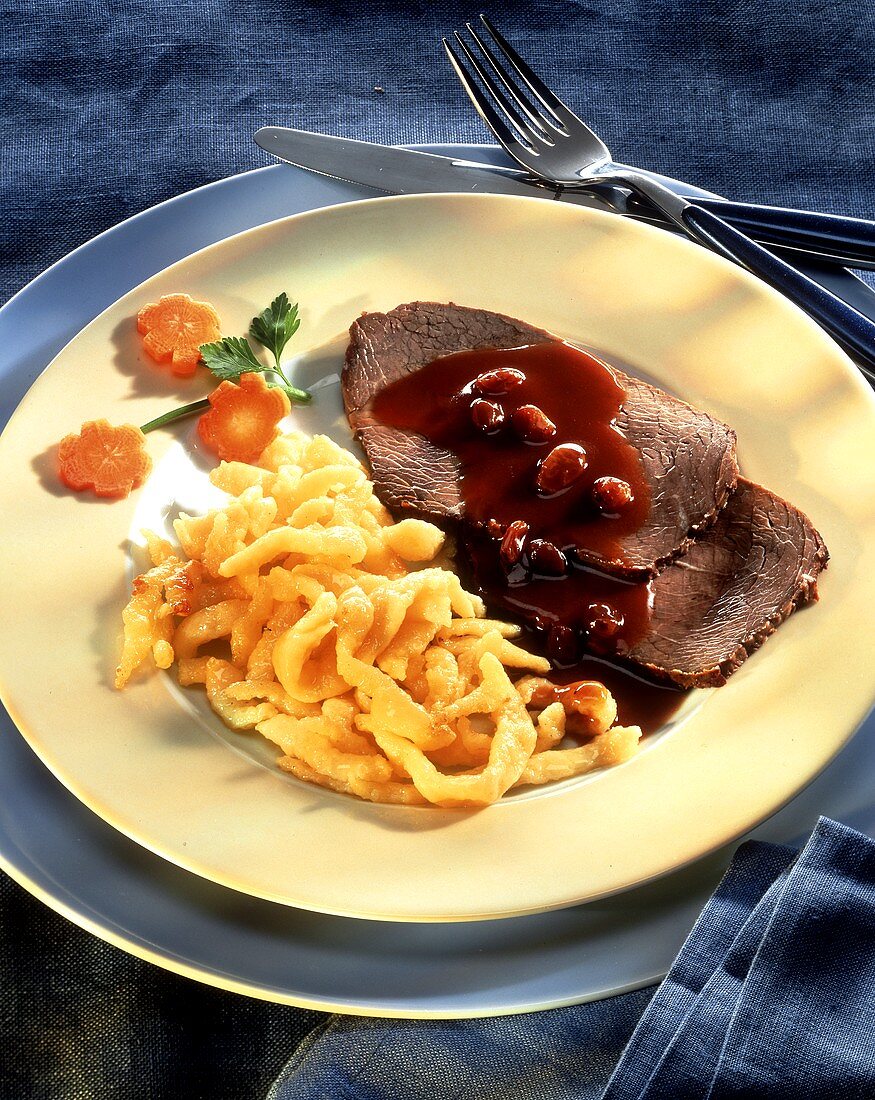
824	238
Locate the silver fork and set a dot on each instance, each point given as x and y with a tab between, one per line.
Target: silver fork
545	136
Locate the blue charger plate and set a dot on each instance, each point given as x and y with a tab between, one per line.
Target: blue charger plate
69	858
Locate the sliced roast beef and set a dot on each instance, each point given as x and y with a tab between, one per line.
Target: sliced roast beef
701	617
410	472
734	586
688	457
726	560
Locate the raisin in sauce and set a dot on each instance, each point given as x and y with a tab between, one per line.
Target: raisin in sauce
503	414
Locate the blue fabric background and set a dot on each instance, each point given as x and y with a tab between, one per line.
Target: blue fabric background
769	997
108	109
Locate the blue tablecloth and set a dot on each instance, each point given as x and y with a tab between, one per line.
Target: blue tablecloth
772	995
108	109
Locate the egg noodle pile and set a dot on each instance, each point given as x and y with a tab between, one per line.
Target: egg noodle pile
375	673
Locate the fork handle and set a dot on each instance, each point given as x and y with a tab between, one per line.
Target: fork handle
845	324
848	239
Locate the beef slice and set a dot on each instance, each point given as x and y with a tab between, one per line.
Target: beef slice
734	586
688	457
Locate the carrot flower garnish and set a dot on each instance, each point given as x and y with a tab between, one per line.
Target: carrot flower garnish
109	460
243	418
174	328
240	418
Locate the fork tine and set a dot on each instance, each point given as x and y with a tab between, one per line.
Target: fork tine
552	103
508	137
536	118
515	115
484	108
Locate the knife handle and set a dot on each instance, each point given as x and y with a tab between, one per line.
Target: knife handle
851	240
850	328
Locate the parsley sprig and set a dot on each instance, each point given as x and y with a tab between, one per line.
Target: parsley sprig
273	328
276	325
232	356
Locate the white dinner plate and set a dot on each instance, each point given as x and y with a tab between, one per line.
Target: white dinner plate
532	977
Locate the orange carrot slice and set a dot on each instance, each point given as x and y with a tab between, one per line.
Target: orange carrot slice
174	328
107	459
243	418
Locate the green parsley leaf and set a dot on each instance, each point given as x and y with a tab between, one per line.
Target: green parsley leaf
276	325
230	357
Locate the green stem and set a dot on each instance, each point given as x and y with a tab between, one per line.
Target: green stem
303	397
175	414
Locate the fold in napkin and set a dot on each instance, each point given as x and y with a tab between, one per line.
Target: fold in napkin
772	996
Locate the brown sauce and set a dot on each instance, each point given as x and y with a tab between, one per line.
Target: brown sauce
553	396
581	397
640	702
541	605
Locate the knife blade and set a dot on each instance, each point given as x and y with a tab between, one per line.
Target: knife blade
798	235
400	171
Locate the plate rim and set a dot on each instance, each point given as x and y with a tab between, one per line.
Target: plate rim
215	980
208	867
79	919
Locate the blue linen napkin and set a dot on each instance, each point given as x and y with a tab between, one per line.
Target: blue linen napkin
772	995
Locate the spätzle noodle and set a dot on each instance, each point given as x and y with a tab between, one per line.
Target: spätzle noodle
350	646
